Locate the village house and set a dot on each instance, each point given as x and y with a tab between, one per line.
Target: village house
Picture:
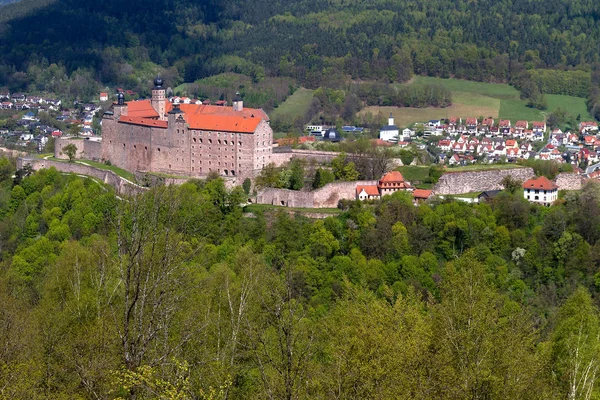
390	132
540	190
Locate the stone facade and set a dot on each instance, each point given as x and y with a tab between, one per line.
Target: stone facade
326	197
478	181
86	148
569	181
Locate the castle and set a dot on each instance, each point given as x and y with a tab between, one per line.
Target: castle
181	139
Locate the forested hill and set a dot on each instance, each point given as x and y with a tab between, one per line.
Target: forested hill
311	40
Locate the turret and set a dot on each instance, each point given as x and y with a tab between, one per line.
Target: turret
159	98
120	108
175	116
238	103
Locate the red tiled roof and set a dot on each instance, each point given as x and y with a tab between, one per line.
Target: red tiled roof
393	176
471	121
538	124
504	122
200	116
421	193
143	121
522	124
540	183
371	190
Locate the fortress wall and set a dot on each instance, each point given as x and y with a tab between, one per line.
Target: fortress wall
478	181
569	181
329	195
326	197
62	142
121	185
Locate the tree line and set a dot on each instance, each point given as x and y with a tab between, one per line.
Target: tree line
174	293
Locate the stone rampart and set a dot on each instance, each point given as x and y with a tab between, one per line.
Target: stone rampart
280	158
86	148
478	181
326	197
569	181
121	185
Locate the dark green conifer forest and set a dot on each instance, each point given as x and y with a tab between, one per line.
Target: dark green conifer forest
177	294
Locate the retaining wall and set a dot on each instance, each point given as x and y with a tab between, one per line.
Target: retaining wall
121	185
478	181
326	197
569	181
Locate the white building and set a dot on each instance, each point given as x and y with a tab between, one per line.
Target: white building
390	132
540	190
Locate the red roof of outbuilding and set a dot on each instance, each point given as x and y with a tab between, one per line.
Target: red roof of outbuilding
540	183
393	176
371	190
421	193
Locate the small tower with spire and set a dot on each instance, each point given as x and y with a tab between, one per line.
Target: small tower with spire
391	120
238	103
159	98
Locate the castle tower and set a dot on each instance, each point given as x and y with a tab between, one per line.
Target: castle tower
159	98
238	103
120	108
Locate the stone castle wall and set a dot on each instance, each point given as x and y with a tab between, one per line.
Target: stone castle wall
478	181
280	158
569	181
88	149
121	185
326	197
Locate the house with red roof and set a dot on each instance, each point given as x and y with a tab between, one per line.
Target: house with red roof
540	190
103	96
392	182
589	126
367	192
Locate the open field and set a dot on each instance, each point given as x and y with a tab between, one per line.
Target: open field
573	105
480	99
294	106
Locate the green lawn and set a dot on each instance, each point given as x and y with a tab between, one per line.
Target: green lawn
294	106
414	173
516	110
573	105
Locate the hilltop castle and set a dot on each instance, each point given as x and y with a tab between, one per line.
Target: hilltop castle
182	139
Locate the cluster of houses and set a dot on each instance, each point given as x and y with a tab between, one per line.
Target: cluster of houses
504	142
23	101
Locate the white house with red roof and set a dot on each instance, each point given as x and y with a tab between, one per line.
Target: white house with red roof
103	96
367	192
390	183
540	190
589	126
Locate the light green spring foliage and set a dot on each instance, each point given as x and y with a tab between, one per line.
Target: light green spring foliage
174	294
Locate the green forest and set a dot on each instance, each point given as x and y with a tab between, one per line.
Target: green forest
176	293
69	46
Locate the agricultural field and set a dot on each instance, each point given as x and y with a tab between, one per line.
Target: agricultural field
480	99
294	106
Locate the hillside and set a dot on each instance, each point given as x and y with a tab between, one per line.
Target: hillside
315	41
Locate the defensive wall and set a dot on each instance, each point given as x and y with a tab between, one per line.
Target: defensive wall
326	197
86	148
121	185
478	181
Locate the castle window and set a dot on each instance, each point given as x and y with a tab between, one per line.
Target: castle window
192	169
134	146
225	141
123	145
232	172
145	147
226	172
200	140
169	166
219	141
210	141
194	140
159	149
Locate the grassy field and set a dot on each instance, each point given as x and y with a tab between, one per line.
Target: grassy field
480	99
414	173
573	105
294	106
